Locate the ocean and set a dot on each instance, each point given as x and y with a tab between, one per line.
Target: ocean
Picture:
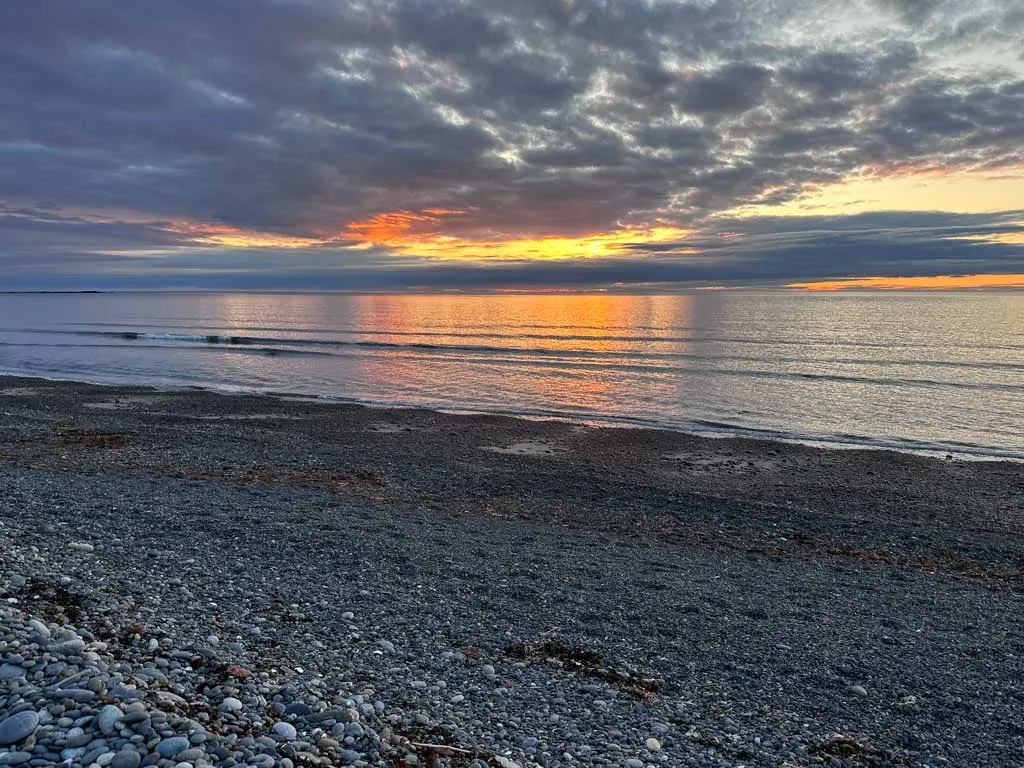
931	372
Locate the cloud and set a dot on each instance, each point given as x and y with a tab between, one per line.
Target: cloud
298	118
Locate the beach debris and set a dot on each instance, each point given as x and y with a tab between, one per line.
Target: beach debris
94	438
851	751
586	662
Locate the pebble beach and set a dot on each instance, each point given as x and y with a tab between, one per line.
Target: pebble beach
191	579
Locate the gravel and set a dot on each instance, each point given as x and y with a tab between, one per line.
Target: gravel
223	623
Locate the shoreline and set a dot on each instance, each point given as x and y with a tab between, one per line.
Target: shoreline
700	429
542	593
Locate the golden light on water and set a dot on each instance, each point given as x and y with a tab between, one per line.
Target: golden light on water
939	282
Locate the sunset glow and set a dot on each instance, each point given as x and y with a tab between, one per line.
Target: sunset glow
940	282
448	145
909	189
233	237
424	234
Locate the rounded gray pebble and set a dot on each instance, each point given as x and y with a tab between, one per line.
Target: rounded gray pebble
18	727
126	759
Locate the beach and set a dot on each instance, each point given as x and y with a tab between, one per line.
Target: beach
539	592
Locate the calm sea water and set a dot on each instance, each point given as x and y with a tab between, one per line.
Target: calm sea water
920	371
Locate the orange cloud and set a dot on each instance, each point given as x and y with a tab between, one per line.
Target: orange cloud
397	226
422	233
938	282
234	237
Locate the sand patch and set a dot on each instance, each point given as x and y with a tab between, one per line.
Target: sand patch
702	464
20	392
128	401
388	428
528	448
244	416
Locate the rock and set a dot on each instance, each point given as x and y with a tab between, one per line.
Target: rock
386	645
167	700
168	748
126	758
858	690
11	672
230	704
18	727
80	695
39	628
77	737
81	546
15	758
652	744
71	647
285	731
530	743
299	709
109	720
634	762
71	754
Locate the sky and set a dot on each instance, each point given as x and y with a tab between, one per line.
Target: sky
510	144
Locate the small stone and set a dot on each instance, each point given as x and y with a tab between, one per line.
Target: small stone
18	727
652	744
168	748
488	670
126	758
11	672
39	628
15	758
108	720
81	546
858	690
348	616
530	743
77	737
386	645
285	731
634	762
71	647
230	704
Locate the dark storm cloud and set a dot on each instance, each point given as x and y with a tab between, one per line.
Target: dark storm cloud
539	117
